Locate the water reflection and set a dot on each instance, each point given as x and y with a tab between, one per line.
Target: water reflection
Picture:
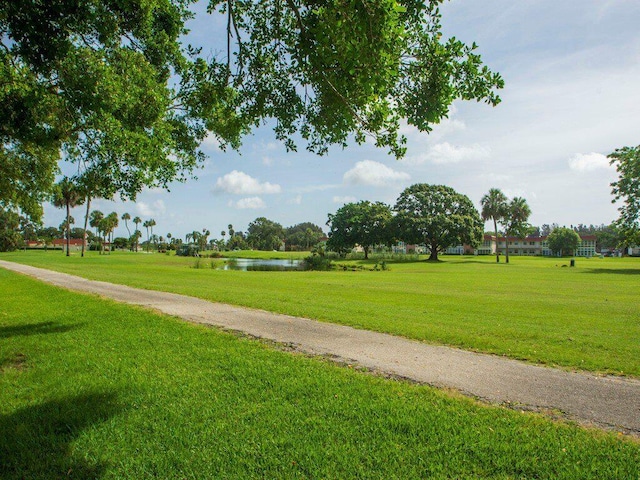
264	265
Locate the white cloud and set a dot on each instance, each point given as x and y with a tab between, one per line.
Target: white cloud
587	162
240	183
447	126
446	153
250	203
344	199
443	153
297	200
368	172
156	208
211	142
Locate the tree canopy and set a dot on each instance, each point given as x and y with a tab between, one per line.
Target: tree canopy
363	223
265	234
109	85
563	241
302	236
437	216
627	189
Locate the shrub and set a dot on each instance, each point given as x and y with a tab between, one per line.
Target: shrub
317	262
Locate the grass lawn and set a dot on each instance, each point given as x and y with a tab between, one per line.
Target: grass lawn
534	309
90	388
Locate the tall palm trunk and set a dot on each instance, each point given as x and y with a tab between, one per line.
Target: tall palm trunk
86	220
495	230
506	246
68	227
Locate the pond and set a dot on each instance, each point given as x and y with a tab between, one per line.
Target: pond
264	265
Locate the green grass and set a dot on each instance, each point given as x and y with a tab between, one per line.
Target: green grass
91	388
533	309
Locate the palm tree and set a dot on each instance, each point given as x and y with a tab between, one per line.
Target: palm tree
135	238
203	239
137	221
152	223
111	224
95	220
125	217
65	227
515	220
146	225
494	206
67	195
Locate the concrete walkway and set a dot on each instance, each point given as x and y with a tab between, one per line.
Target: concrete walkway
607	402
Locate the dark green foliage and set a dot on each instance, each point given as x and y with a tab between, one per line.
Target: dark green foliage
364	223
563	241
187	251
437	216
627	189
109	86
302	236
10	238
317	262
265	234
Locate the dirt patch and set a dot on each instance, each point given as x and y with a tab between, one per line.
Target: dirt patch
17	361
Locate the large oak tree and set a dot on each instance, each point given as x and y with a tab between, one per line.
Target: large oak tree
437	216
363	223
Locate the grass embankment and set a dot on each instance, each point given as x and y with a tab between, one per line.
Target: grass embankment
533	309
90	388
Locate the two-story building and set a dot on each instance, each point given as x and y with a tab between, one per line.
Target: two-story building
528	246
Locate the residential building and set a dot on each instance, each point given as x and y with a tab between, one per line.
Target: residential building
529	246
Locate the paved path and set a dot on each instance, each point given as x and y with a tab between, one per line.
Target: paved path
608	402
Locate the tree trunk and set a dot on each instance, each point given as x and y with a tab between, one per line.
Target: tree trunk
433	257
68	229
495	231
366	253
86	219
506	247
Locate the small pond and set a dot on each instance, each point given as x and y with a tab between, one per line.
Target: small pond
265	265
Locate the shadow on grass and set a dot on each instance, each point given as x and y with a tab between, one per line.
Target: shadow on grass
36	329
613	271
36	441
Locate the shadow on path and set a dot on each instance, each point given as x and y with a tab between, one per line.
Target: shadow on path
35	442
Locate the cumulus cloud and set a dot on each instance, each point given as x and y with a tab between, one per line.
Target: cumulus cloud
446	153
344	199
249	203
211	142
587	162
297	200
239	183
368	172
149	210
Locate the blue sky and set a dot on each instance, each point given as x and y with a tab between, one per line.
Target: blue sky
572	96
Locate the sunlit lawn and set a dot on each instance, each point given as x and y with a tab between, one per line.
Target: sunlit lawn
94	389
537	309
